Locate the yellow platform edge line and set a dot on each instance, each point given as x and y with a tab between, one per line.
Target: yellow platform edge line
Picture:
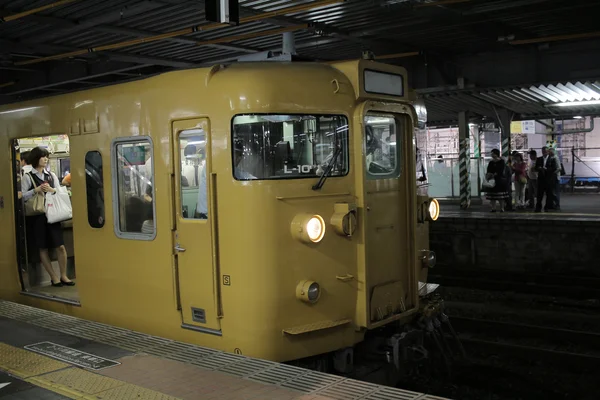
10	363
25	364
59	389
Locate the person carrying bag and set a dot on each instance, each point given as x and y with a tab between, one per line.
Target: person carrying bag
47	205
58	206
36	205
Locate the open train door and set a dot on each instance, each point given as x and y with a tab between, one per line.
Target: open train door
195	226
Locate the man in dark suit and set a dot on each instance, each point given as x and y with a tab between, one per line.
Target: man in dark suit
546	167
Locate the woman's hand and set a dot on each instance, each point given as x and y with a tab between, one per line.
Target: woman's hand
47	188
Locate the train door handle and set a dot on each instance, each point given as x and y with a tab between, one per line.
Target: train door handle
179	249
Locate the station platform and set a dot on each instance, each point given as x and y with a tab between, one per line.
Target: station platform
574	207
50	356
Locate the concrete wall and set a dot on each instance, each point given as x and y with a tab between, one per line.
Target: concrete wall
532	245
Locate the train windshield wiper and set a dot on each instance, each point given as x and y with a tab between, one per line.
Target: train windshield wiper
329	167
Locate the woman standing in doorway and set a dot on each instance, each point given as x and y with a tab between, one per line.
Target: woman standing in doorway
46	236
496	171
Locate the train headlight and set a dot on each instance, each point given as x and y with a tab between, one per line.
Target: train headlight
308	291
308	228
315	228
431	259
428	258
434	209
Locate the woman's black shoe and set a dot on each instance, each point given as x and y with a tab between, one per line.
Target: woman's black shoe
57	284
71	283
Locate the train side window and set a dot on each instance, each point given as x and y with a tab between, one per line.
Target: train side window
94	188
383	147
133	193
194	194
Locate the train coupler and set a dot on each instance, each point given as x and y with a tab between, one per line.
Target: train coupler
407	350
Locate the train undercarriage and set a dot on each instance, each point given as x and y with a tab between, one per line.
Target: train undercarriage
426	346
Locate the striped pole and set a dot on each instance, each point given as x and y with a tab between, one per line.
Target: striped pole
505	146
464	167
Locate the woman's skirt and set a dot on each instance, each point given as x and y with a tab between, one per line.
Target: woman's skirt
44	235
496	195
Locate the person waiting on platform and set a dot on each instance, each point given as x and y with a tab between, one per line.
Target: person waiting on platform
560	170
532	179
546	168
519	167
45	235
496	170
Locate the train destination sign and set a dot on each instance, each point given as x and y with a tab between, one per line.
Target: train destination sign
73	356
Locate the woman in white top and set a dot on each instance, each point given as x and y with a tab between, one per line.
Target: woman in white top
45	235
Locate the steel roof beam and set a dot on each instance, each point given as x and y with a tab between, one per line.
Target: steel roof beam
34	48
135	32
299	45
119	13
285	21
73	80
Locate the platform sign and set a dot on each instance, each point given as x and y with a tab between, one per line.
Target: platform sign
517	127
72	356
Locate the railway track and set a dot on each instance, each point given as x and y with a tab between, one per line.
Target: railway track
564	347
540	320
574	287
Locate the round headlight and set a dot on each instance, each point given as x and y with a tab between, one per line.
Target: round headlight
308	291
315	228
431	259
314	291
434	209
308	228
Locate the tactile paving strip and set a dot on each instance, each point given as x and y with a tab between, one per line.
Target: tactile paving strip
93	331
395	394
312	382
279	374
59	322
24	364
80	381
246	367
132	392
182	352
218	360
265	372
349	390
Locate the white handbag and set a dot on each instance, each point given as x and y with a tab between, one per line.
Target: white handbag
489	183
58	206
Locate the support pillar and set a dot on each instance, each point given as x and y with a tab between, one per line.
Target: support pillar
504	120
464	161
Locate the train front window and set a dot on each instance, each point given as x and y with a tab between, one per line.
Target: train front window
383	147
289	146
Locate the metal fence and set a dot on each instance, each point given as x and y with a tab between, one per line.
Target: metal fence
443	176
581	173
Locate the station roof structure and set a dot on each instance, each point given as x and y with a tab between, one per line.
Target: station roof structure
478	54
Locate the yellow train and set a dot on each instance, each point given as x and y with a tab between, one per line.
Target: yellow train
268	209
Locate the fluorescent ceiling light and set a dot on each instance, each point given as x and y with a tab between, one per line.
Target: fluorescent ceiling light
578	117
577	103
